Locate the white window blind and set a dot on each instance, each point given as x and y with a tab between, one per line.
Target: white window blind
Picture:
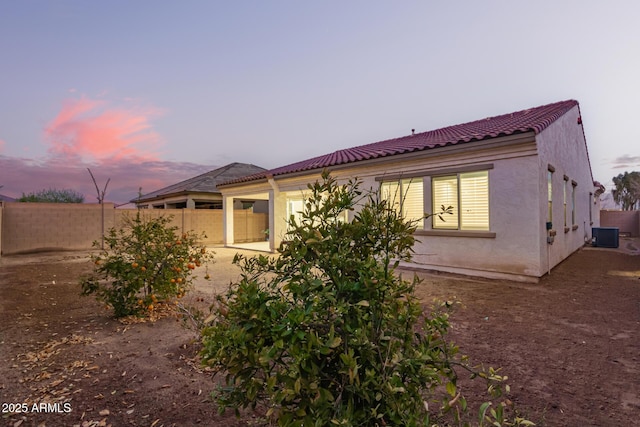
391	193
413	200
564	198
295	206
474	201
406	196
573	204
445	193
549	196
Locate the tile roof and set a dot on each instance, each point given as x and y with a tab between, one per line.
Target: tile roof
4	198
204	183
531	120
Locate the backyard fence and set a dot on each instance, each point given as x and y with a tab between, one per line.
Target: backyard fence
628	222
35	227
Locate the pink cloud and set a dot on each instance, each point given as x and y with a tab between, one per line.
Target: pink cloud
2	144
92	130
117	143
22	175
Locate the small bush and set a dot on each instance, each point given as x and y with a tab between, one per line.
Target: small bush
144	263
327	334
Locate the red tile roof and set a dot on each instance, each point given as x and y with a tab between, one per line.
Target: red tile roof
530	120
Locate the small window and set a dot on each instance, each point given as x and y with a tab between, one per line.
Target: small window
445	194
573	203
564	198
591	197
407	195
295	207
549	197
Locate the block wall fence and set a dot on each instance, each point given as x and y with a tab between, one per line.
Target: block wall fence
627	221
37	227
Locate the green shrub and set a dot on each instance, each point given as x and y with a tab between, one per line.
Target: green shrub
53	195
326	334
144	263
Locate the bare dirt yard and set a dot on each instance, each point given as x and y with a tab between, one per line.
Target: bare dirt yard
570	345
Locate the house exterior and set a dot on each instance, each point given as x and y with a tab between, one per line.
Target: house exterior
520	186
199	192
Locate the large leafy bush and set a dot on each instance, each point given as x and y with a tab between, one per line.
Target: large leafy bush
327	334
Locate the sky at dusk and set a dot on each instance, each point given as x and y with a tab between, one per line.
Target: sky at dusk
148	93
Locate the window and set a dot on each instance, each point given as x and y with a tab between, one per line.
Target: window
297	203
573	204
295	207
549	197
564	198
468	196
407	195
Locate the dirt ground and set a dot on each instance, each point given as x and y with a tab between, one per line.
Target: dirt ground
570	345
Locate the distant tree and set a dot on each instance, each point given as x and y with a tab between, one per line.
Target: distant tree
53	195
627	190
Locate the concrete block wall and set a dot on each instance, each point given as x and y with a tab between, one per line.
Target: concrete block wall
249	226
209	222
33	227
627	221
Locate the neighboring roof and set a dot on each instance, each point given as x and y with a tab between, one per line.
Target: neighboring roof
205	183
530	120
4	198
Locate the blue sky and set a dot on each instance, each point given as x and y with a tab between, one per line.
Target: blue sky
151	92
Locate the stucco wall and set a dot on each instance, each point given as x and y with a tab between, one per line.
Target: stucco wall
562	145
512	218
29	227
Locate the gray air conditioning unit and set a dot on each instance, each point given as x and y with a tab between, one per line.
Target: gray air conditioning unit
605	237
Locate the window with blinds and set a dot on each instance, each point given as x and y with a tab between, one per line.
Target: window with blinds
564	198
549	196
468	196
295	207
573	203
391	193
407	197
474	201
445	194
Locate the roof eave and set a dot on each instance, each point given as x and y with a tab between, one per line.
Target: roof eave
243	183
167	195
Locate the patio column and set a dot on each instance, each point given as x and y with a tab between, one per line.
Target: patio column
227	220
277	215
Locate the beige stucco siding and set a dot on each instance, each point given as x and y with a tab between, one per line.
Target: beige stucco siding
512	220
562	145
513	186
